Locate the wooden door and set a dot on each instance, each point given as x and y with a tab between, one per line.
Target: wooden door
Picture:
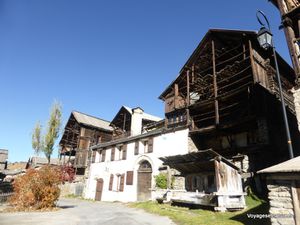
99	188
144	182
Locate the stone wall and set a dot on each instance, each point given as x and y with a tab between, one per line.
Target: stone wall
281	204
75	188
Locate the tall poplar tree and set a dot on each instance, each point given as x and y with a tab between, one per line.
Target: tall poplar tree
45	142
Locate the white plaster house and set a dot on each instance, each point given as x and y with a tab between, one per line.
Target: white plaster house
123	169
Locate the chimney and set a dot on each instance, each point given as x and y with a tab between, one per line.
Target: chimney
136	121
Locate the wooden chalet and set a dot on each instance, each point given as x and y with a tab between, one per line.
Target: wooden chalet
227	94
81	132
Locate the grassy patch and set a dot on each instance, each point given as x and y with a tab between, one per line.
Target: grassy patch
72	196
186	216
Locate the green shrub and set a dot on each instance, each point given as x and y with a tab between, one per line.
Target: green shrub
161	181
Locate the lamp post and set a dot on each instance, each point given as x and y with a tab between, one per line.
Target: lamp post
264	37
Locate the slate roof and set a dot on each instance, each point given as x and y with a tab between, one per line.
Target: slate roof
292	165
91	121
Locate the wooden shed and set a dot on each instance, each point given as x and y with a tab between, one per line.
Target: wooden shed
210	180
283	182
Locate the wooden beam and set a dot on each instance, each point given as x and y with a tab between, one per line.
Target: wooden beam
217	119
253	63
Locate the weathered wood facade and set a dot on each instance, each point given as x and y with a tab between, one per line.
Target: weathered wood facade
210	180
290	17
228	95
81	132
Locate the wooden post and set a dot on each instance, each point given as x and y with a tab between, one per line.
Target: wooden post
252	63
175	95
193	73
124	121
244	51
290	38
188	87
188	97
296	202
217	120
169	177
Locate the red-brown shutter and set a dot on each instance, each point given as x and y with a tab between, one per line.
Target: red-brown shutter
103	155
111	181
124	154
112	156
150	144
136	148
129	178
122	182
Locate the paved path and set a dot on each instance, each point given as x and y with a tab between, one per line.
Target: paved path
80	212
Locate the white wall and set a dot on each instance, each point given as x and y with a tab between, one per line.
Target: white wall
168	144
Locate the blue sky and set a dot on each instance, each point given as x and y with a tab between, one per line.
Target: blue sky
96	55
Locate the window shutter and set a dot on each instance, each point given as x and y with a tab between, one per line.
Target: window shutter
129	178
150	144
124	153
122	182
136	148
112	156
111	181
103	155
93	156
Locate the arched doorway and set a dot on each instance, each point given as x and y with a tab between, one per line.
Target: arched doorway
99	188
144	181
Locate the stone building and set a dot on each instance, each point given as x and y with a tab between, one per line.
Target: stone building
283	182
3	159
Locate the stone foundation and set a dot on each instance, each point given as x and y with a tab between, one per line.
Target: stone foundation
281	204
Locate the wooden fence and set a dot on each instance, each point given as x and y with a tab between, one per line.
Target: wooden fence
4	196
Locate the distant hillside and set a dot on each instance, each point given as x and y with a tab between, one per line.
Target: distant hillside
16	165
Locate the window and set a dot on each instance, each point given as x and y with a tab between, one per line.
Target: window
94	156
103	152
145	146
112	156
120	152
124	152
111	181
121	187
136	148
150	145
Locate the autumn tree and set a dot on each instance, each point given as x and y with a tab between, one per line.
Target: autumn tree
45	142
